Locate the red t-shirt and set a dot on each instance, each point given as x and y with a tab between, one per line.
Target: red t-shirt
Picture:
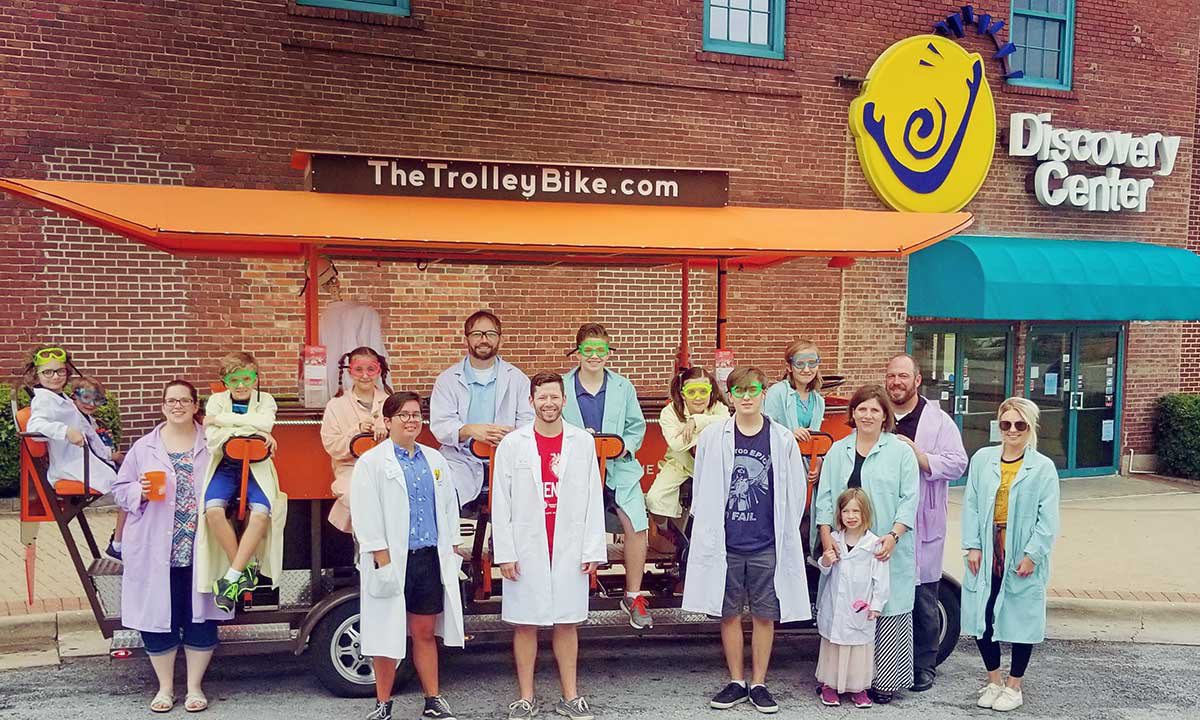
550	451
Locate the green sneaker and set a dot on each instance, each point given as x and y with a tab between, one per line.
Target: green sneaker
226	594
249	579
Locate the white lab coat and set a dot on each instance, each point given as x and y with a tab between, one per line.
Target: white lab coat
448	406
50	414
379	510
547	593
346	325
704	588
856	576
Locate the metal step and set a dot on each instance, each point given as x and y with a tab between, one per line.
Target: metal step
105	574
129	640
663	617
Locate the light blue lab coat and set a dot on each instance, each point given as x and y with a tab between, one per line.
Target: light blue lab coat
780	406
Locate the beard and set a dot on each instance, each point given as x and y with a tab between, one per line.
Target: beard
549	415
905	394
485	352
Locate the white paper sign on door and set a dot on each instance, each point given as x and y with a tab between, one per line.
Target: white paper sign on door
1106	431
1033	371
994	431
1051	383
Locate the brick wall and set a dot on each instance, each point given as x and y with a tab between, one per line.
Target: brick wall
218	94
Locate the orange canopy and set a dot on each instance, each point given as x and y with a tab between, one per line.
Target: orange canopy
221	221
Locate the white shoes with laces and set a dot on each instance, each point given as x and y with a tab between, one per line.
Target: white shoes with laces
1009	699
988	695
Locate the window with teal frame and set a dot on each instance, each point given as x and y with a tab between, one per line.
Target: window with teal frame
745	27
385	7
1043	32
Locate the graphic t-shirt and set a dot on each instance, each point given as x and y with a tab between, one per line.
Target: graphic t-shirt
550	451
750	508
241	407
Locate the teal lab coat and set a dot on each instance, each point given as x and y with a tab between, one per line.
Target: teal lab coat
1020	612
890	479
780	406
622	416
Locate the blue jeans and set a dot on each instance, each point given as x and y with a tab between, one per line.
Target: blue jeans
193	635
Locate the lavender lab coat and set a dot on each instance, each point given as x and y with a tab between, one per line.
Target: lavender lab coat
938	437
146	546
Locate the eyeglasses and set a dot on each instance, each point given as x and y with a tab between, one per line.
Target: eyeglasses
89	397
368	369
407	416
177	402
48	373
594	349
805	363
243	378
740	392
697	391
1020	425
492	335
45	355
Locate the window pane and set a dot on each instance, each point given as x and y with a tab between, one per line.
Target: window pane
1050	66
739	25
1018	59
740	4
1020	4
1033	63
1053	35
758	29
760	5
718	23
1058	7
1036	33
1019	27
720	3
1038	5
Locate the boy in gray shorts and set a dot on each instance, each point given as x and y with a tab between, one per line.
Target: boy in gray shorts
749	481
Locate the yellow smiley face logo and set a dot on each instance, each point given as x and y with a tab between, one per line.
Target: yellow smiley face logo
925	125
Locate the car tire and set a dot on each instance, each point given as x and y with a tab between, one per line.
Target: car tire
949	605
337	657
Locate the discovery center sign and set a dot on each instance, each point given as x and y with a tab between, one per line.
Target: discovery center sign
1034	135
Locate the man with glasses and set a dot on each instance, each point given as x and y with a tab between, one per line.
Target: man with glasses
749	482
934	437
482	398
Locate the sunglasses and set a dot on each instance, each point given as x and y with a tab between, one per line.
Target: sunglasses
599	350
805	363
481	334
754	389
90	397
367	369
45	355
697	391
245	378
1020	425
48	373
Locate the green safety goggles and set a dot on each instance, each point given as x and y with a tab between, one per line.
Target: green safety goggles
597	349
754	389
241	378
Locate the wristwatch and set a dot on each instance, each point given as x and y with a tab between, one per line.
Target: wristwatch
894	535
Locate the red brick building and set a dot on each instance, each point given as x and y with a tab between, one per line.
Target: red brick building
210	93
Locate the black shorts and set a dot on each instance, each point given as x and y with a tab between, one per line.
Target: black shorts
423	594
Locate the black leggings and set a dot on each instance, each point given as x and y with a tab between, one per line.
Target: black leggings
990	649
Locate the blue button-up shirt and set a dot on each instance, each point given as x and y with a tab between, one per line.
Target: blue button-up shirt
591	407
422	504
483	395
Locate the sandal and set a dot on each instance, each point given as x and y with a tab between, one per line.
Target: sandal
195	702
162	702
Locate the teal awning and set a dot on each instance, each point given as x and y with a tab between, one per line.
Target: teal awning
1004	278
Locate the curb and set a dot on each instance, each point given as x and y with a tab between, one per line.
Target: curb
1167	623
43	631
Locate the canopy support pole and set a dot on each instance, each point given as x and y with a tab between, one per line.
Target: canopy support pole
722	299
312	292
682	360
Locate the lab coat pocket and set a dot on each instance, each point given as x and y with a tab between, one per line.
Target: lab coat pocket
1024	586
970	581
383	582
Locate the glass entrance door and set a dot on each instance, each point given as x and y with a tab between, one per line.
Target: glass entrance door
1074	376
967	370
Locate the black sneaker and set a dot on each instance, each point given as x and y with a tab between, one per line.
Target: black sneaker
383	711
437	707
762	701
879	697
249	579
226	594
733	694
111	550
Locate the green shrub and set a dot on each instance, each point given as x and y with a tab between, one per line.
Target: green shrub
1177	435
108	415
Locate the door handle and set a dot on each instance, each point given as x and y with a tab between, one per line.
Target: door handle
1077	401
961	403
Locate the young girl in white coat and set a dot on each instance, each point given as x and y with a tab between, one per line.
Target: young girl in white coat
854	594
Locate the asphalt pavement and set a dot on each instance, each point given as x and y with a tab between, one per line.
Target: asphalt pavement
660	679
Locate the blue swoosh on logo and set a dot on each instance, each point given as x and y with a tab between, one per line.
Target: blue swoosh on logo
925	181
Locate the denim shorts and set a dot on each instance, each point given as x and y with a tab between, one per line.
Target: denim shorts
227	481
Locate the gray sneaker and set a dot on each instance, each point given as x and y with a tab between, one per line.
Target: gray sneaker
639	612
522	709
576	709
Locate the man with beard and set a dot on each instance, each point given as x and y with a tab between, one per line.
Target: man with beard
935	438
481	398
548	535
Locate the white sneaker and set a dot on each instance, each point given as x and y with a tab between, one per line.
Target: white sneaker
988	695
1010	699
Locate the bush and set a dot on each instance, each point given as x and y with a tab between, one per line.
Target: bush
108	415
1177	435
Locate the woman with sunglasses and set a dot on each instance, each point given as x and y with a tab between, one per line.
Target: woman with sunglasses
68	431
161	591
1009	523
350	414
695	404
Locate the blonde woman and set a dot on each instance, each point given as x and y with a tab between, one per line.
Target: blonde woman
1009	523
